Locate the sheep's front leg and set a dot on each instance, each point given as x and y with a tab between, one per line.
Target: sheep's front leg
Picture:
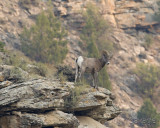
93	76
80	73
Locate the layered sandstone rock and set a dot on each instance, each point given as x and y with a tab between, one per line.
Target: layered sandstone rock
41	103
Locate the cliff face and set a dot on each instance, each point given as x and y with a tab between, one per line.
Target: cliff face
130	21
123	14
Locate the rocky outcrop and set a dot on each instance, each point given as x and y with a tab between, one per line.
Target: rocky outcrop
41	103
136	14
28	120
97	104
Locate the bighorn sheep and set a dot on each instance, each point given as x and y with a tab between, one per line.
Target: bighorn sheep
91	65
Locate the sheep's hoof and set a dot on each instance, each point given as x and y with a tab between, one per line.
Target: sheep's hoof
97	88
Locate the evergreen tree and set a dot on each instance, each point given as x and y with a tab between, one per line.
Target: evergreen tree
2	46
156	16
149	76
148	115
94	37
45	41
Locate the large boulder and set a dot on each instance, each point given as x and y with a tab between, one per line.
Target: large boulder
35	95
97	104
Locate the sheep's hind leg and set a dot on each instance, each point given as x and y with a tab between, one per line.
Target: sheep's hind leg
76	75
95	77
80	74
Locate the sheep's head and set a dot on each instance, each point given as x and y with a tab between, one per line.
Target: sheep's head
106	57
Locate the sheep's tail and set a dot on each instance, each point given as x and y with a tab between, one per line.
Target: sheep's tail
79	61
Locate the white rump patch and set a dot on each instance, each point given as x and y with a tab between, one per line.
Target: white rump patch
79	61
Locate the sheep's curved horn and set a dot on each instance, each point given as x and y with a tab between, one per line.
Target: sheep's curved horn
110	55
105	52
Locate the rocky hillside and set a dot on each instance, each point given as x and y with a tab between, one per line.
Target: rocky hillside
130	21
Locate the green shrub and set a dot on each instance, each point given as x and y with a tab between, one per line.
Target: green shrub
15	74
103	79
62	77
156	16
2	46
95	30
45	41
71	101
94	37
148	78
35	69
148	41
42	69
15	59
148	116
